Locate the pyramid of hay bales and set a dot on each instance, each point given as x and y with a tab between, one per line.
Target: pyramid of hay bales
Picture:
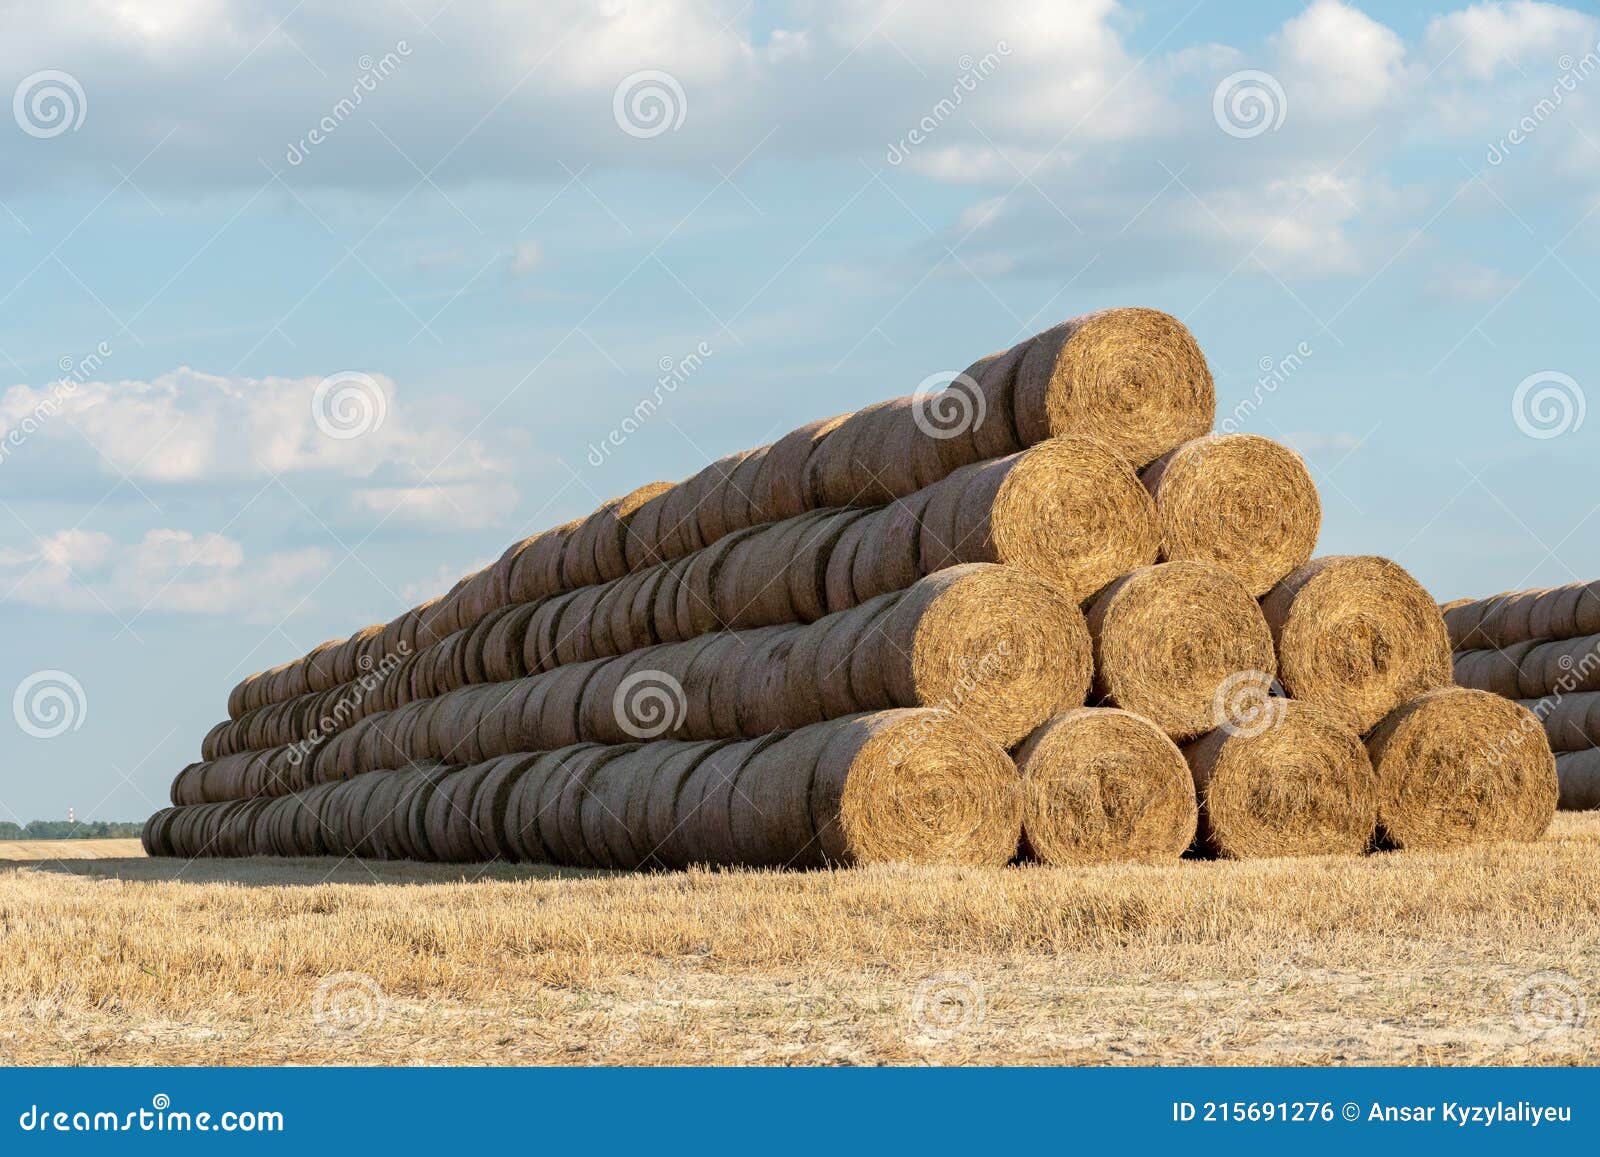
1044	612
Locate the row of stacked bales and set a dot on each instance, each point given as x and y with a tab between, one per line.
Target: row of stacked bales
878	639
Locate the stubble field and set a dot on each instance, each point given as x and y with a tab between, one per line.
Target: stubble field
1487	955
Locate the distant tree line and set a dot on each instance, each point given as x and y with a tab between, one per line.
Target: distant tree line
67	830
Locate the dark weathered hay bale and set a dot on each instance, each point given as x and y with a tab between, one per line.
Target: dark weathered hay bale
1296	783
780	489
1456	766
1239	501
154	837
1358	634
1132	379
603	810
770	820
1571	721
1579	775
1169	637
531	803
602	541
693	837
660	803
1513	617
915	786
561	803
489	803
536	573
880	552
1501	670
1101	785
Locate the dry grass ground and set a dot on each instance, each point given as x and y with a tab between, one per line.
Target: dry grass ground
1489	955
69	849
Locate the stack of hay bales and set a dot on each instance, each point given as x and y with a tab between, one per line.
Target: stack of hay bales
821	652
1542	649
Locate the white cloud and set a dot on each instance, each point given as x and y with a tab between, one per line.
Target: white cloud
189	427
1337	61
166	570
1482	41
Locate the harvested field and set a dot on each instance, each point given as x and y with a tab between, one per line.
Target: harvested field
438	964
26	850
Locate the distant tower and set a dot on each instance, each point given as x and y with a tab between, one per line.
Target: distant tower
72	816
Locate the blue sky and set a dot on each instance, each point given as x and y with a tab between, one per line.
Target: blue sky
825	203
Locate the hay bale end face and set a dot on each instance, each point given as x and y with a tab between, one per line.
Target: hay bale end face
1238	501
1457	765
1132	379
915	787
1358	634
991	643
1169	638
1101	785
1295	781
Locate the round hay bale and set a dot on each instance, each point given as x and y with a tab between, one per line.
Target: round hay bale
536	574
692	837
561	821
707	829
770	812
1131	379
739	502
603	807
1101	785
712	509
1579	776
915	786
1457	766
1293	781
1067	510
1238	501
1571	722
750	694
619	607
652	803
780	487
889	558
1498	671
153	835
519	831
1169	638
1358	634
822	664
839	582
993	644
488	806
696	610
